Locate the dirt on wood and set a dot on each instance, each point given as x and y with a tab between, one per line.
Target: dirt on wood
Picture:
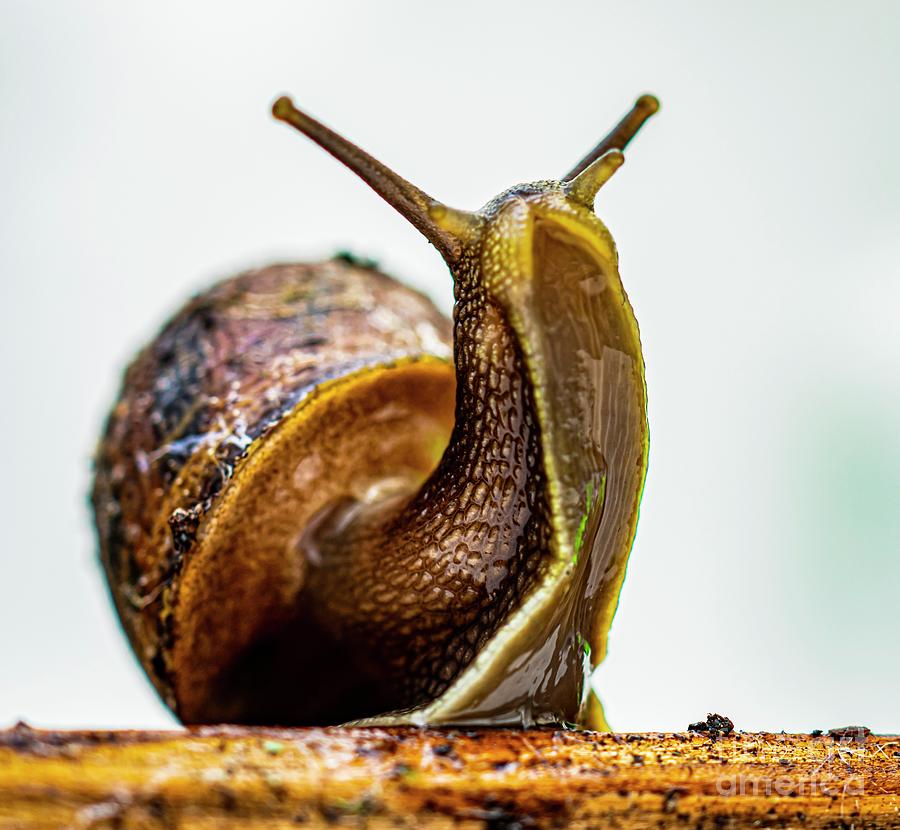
240	777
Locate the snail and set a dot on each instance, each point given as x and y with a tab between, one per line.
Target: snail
318	501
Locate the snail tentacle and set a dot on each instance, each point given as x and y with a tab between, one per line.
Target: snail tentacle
411	202
619	136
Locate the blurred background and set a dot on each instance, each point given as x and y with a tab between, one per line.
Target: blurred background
758	225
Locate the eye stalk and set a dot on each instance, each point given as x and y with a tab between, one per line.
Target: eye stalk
619	136
583	188
440	225
411	202
449	229
583	181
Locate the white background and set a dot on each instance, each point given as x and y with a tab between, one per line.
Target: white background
758	223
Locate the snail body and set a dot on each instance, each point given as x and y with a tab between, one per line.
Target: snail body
319	501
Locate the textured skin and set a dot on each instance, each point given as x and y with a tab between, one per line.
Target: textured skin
412	590
423	591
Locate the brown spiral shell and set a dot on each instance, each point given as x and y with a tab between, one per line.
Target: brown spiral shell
225	388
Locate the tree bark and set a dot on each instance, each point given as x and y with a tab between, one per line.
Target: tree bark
249	777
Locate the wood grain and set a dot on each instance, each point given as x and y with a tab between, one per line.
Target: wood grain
229	777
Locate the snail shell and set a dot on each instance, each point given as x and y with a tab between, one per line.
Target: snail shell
318	501
263	401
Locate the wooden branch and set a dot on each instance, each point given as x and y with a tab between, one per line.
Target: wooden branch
229	777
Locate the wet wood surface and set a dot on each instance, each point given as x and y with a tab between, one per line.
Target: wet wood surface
238	777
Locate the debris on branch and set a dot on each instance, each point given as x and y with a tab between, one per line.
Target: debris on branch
422	778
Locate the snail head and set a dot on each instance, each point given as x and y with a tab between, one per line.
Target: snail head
494	247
